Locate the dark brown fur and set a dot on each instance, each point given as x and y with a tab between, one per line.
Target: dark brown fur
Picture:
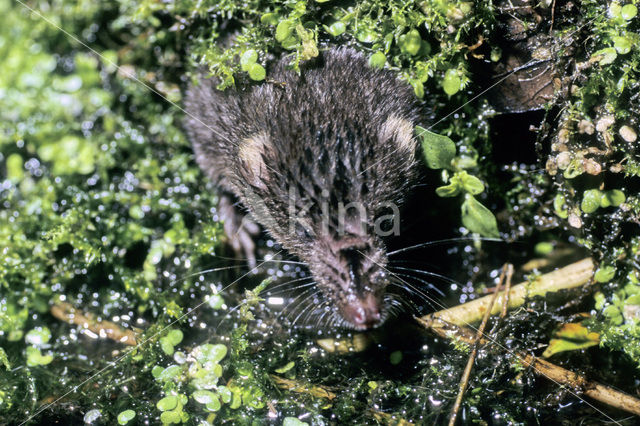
338	132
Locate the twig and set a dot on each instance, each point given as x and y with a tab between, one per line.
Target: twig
464	380
67	313
559	375
507	289
571	276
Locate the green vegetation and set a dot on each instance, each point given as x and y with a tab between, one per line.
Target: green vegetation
103	208
440	153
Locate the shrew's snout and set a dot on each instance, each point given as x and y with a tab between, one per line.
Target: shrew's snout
362	312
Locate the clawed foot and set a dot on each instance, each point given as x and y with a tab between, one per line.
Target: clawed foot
240	230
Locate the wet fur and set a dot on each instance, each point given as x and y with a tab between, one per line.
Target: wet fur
338	132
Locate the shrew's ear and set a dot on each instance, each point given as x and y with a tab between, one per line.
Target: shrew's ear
400	131
252	153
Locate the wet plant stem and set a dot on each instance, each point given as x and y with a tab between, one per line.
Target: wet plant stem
464	381
571	276
561	376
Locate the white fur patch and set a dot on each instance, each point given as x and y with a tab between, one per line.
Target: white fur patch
251	153
399	130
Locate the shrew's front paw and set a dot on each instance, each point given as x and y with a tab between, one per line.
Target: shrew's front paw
240	230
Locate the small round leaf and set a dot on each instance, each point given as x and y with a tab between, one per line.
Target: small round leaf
377	60
126	416
167	403
257	72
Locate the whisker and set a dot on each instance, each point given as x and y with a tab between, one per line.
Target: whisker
314	310
324	313
228	315
203	272
304	309
297	262
448	240
269	290
429	273
291	308
224	268
411	289
429	285
397	303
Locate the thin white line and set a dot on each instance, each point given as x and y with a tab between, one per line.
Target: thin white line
488	337
122	70
113	364
509	74
133	77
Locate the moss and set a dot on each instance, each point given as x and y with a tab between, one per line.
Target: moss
103	207
592	148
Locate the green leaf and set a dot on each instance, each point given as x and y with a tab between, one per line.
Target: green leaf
418	87
38	336
156	371
286	367
411	42
590	200
175	337
214	405
204	396
284	30
209	352
471	184
169	417
367	35
336	28
395	358
290	43
560	207
614	197
438	150
4	359
168	373
622	45
216	301
15	167
571	337
293	421
479	219
605	273
225	394
35	357
606	55
543	248
126	416
451	83
628	12
450	190
167	403
377	60
166	346
270	19
257	72
247	59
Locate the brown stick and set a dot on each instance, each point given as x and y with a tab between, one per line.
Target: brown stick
570	276
507	289
559	375
464	380
67	313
